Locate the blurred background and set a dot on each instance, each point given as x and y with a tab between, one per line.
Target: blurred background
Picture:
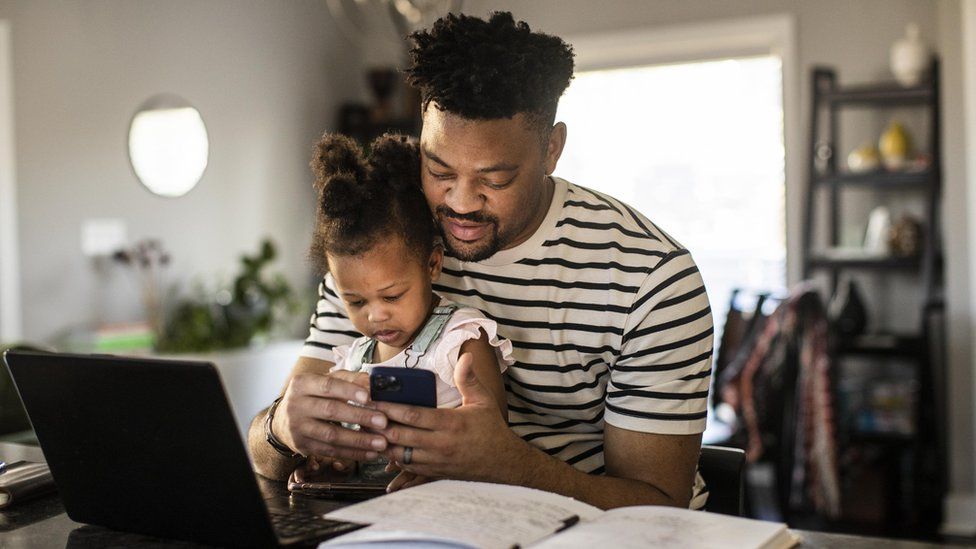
816	157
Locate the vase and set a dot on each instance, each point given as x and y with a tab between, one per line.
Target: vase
895	146
909	57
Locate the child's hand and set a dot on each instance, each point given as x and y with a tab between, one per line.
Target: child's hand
320	468
405	479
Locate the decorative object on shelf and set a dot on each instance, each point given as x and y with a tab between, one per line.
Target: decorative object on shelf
148	257
920	163
234	317
846	312
876	237
910	57
895	146
905	237
823	152
863	159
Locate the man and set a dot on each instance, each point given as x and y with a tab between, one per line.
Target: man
608	316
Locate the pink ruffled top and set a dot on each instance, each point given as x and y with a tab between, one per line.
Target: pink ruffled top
466	323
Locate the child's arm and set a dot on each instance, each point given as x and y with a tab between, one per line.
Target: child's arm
485	364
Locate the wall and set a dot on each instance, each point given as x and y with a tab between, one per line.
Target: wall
266	78
853	37
958	309
10	316
962	507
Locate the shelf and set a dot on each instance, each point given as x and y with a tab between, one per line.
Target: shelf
880	180
884	95
867	263
897	480
880	345
881	437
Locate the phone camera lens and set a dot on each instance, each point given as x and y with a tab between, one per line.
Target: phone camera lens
386	383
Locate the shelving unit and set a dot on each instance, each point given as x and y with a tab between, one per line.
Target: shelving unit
913	464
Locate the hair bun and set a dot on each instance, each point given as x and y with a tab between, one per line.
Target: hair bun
343	197
395	161
336	154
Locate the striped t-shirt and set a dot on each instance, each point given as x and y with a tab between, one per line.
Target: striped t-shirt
609	321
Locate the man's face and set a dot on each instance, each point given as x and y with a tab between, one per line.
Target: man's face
485	180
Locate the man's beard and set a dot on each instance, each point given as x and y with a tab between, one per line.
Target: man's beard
469	251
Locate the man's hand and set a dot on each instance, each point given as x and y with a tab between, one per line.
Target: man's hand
322	469
405	479
307	417
471	442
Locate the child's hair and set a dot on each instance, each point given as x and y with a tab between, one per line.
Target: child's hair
483	70
364	200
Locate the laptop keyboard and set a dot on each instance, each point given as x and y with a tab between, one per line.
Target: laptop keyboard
299	523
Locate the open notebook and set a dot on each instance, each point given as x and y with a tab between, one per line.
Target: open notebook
490	516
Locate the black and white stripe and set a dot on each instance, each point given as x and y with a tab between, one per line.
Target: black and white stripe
609	321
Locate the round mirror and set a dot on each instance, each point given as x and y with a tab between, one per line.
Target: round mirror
168	145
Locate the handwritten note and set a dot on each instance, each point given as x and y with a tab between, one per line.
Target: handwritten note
467	513
670	528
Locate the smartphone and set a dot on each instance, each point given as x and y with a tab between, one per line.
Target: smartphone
403	386
330	490
335	484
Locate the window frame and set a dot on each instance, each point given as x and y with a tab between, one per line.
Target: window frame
765	35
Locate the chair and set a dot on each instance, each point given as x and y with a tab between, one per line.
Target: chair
722	470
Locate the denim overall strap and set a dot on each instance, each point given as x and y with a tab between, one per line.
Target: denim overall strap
362	354
429	333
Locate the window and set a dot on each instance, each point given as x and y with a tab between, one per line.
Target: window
699	149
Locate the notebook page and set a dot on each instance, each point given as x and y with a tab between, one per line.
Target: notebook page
471	513
670	528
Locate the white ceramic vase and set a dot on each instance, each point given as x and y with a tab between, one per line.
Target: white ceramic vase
909	57
876	241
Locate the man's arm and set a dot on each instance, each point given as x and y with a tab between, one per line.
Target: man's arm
267	460
642	469
307	420
473	443
313	401
655	410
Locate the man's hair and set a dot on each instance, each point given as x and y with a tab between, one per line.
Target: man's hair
483	70
363	200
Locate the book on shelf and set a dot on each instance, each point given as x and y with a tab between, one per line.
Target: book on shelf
24	480
495	516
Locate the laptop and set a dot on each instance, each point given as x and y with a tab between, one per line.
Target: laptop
151	446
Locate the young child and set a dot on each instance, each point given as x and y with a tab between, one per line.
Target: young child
377	239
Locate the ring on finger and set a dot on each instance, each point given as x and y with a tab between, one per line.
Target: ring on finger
407	455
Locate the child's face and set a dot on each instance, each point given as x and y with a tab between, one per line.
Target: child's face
387	290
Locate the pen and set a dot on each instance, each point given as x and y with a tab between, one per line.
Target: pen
568	522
